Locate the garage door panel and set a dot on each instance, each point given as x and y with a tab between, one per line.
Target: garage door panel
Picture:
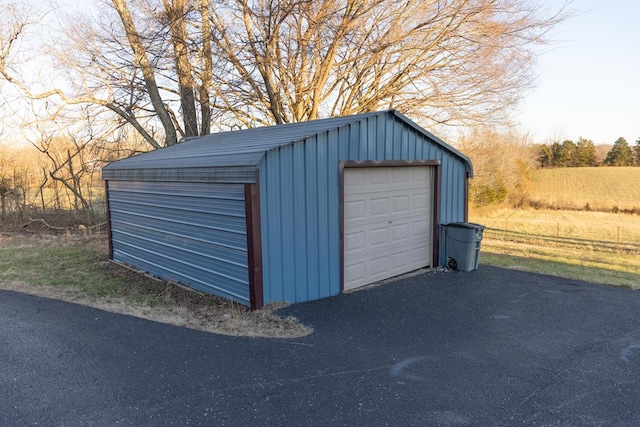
417	175
375	179
383	253
389	233
400	232
354	271
356	179
401	175
378	265
420	228
416	255
400	203
379	206
353	242
420	201
399	259
378	237
354	209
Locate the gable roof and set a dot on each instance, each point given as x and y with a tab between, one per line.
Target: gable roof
233	156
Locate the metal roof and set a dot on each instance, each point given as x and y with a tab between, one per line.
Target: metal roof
232	156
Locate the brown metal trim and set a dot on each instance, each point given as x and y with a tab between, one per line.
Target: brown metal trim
386	163
466	196
341	213
436	164
436	216
254	243
108	211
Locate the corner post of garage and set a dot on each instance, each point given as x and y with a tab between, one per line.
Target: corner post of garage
254	243
436	213
341	231
466	196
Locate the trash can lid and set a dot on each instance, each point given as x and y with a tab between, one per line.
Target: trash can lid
465	225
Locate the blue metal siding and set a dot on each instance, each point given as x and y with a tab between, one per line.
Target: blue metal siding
300	195
190	233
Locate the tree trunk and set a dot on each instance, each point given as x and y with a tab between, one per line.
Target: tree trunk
207	68
147	71
176	13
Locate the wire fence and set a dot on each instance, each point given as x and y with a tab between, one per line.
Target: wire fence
617	246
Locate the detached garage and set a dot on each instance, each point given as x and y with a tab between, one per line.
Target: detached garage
290	213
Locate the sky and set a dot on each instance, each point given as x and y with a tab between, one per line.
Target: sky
589	80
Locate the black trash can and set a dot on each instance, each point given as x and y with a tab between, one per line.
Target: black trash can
462	245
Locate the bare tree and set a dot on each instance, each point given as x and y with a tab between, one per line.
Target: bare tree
13	184
71	164
70	160
455	61
81	89
503	160
169	68
148	71
133	74
167	63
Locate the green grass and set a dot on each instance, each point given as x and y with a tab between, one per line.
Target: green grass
594	259
79	268
609	269
76	269
603	188
76	265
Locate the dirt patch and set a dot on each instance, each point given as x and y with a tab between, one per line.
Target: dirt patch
143	296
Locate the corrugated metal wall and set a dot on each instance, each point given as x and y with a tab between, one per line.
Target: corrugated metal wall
191	233
300	193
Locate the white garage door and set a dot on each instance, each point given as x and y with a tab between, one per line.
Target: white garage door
388	218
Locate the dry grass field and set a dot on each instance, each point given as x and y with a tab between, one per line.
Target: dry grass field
573	244
596	226
577	242
601	188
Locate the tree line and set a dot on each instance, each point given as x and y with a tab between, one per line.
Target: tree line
505	162
583	153
57	176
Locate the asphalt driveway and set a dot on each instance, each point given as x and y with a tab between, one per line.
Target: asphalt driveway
490	347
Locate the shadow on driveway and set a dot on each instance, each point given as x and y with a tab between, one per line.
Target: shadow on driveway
489	347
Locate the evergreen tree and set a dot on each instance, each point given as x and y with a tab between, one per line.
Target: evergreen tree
585	153
638	152
549	155
620	154
545	156
565	154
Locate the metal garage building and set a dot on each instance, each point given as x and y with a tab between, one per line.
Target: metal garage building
292	212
